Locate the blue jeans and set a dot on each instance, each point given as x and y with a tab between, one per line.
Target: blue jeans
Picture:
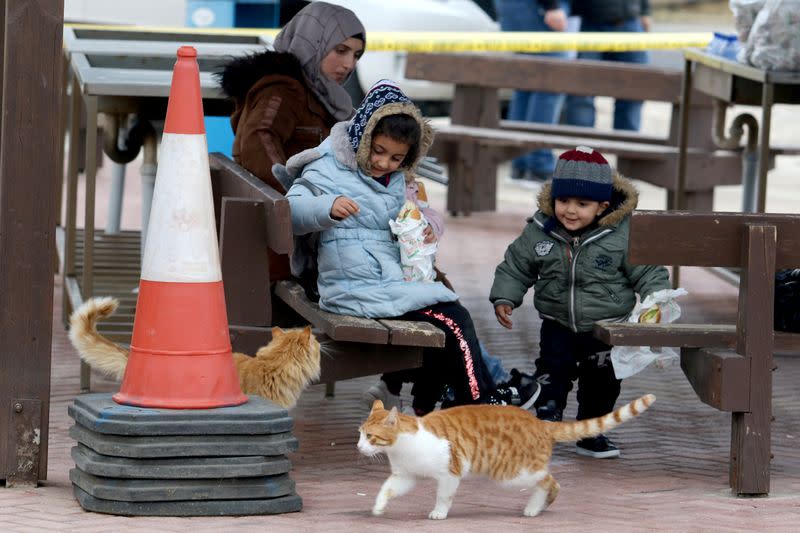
580	111
527	15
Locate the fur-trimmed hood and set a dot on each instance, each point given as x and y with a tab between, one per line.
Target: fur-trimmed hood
624	200
240	74
395	108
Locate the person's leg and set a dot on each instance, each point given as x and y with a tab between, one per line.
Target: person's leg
579	110
544	108
598	387
628	113
527	15
516	15
460	363
556	368
598	390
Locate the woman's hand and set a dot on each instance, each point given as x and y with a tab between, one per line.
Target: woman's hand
430	236
503	314
343	207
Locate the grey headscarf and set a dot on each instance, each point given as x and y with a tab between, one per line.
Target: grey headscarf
313	32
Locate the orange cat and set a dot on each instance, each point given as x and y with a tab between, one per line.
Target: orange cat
280	371
507	444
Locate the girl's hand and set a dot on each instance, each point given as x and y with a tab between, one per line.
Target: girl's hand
343	207
647	22
430	236
503	314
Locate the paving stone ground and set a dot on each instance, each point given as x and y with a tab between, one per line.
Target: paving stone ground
672	475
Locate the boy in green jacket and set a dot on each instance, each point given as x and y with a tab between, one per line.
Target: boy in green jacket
573	251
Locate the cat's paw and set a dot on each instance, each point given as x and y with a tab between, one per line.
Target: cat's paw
437	514
378	511
532	510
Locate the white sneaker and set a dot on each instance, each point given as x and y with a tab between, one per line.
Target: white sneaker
379	391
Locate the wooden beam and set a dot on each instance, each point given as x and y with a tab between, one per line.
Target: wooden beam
29	174
719	377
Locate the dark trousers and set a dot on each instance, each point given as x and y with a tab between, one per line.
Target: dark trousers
566	356
458	365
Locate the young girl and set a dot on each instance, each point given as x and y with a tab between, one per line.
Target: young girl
349	189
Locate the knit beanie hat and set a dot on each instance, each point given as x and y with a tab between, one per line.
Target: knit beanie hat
582	173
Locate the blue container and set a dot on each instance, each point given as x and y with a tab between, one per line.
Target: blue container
228	14
210	13
724	45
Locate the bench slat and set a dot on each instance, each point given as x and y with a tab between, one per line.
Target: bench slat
337	327
721	245
406	333
683	335
532	73
234	181
353	360
524	139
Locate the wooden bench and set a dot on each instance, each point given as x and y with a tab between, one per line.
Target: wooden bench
729	365
477	140
253	217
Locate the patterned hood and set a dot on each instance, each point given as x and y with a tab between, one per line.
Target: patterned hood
383	99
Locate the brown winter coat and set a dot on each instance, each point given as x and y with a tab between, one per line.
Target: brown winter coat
276	114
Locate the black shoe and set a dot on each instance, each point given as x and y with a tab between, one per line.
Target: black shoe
522	397
549	412
517	379
598	447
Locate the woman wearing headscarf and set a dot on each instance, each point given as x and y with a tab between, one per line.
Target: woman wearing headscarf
286	100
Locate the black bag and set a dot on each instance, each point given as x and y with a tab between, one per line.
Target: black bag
787	300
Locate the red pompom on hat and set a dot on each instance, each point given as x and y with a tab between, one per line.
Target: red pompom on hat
582	173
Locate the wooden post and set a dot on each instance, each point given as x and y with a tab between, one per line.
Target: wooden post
30	171
750	431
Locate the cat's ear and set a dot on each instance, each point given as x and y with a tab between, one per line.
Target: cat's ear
307	333
276	332
391	420
377	405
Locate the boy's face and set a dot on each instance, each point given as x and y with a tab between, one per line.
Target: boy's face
386	155
577	213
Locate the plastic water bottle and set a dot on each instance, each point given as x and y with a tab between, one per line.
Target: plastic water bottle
724	45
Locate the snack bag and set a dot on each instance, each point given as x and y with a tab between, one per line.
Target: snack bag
415	255
658	308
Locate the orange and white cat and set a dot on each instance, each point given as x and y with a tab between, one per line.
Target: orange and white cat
505	443
280	371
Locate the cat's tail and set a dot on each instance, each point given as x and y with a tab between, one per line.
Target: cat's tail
94	349
581	429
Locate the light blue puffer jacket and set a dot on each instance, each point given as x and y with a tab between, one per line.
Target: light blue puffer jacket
358	258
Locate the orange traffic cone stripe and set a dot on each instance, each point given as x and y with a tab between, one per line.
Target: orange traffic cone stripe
180	356
185	106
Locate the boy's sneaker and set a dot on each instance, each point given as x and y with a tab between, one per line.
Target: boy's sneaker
549	412
522	397
598	447
380	391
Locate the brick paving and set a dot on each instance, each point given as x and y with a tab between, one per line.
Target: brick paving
672	475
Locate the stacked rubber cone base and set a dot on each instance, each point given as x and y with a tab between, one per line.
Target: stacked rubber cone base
137	461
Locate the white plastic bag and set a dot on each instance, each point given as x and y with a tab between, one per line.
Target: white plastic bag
774	39
629	360
415	255
744	14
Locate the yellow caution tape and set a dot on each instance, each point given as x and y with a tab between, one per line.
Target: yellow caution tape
385	41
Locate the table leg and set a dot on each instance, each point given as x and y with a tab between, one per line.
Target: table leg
87	284
767	98
683	136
